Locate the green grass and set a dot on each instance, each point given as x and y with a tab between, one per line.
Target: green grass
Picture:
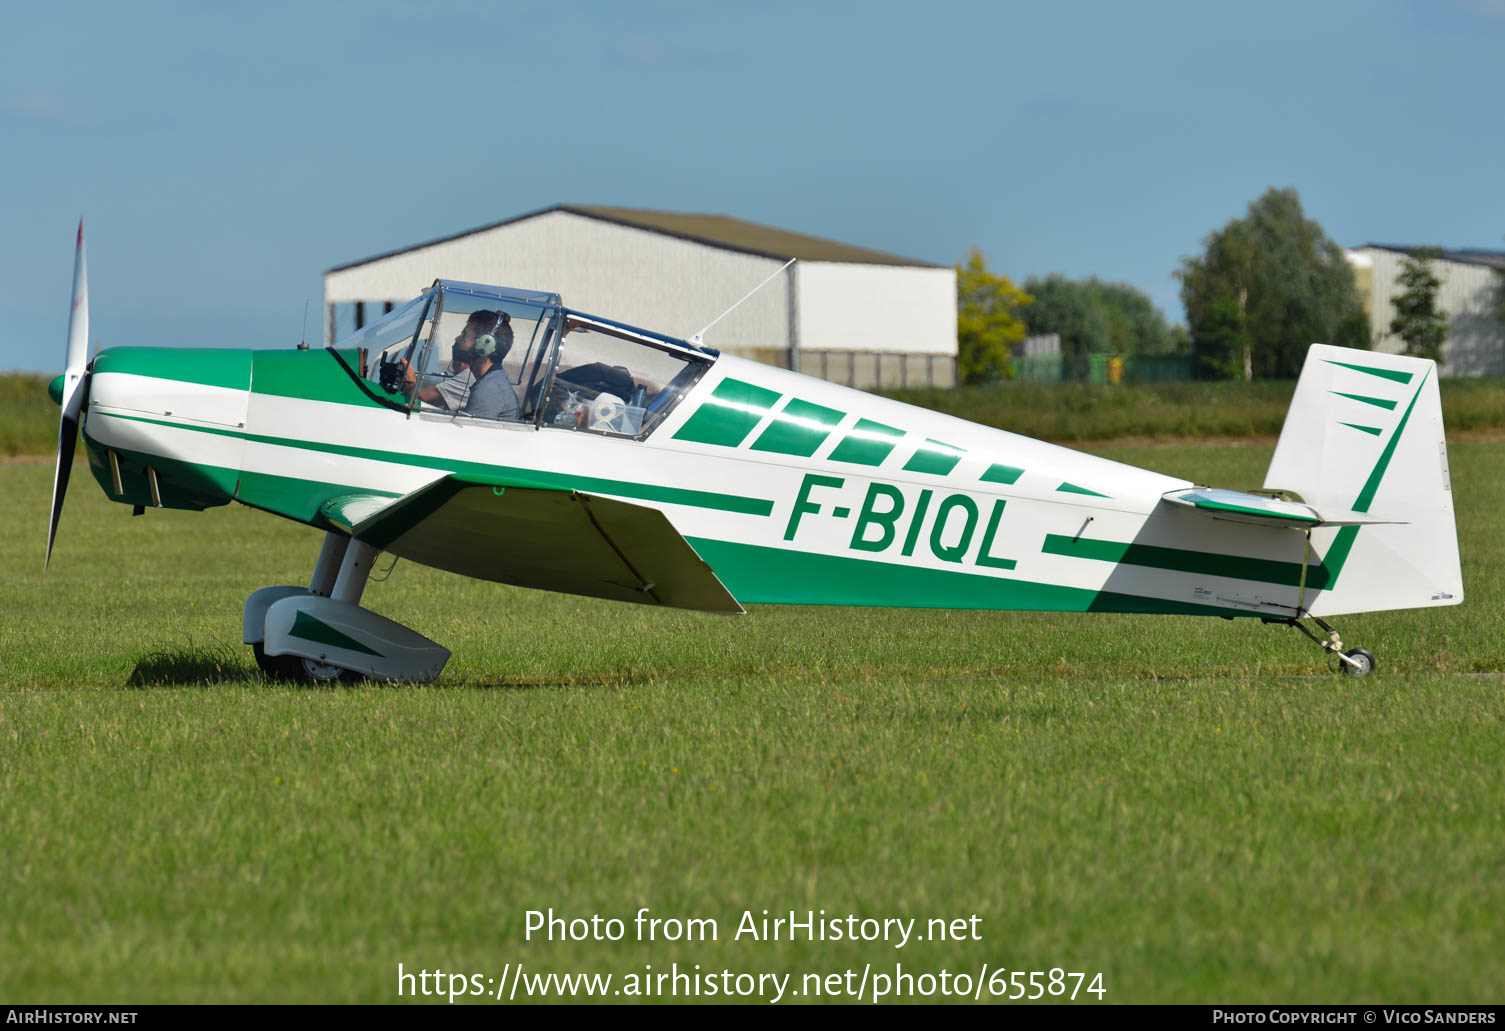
1199	809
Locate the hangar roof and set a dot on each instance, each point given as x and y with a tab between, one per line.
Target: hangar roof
715	230
1462	255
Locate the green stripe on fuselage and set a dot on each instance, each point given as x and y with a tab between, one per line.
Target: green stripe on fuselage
315	376
934	457
198	485
1071	488
867	443
762	575
181	485
729	414
226	367
1150	556
1000	473
798	429
530	477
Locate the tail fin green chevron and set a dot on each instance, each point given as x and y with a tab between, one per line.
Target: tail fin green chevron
1392	464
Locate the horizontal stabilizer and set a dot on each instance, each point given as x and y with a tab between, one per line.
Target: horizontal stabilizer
1239	507
553	540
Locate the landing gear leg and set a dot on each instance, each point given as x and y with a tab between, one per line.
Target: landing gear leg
320	633
1356	662
346	577
334	555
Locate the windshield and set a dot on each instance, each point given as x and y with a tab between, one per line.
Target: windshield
389	335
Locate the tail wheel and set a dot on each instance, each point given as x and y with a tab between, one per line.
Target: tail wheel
1363	662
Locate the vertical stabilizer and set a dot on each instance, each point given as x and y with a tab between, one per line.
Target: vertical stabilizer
1364	433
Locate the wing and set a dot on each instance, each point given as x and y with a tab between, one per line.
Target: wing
1239	507
554	540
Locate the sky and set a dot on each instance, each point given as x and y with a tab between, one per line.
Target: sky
224	156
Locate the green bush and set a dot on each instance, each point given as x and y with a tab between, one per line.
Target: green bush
28	418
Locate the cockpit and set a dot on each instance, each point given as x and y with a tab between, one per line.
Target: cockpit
491	355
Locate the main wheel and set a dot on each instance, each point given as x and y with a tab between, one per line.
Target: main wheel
277	667
314	671
1365	660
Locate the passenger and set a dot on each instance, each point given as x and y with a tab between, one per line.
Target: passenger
478	351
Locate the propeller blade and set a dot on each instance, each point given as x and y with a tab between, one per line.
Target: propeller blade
67	438
78	331
75	388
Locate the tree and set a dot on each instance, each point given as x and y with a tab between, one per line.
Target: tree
1093	317
987	321
1071	309
1138	326
1417	319
1267	286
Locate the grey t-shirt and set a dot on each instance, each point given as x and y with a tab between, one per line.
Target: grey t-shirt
453	389
492	396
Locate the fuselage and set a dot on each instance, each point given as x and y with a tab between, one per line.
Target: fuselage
793	489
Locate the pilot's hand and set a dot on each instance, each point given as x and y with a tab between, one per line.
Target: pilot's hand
409	377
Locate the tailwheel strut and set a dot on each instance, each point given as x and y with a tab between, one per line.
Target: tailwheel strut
1356	662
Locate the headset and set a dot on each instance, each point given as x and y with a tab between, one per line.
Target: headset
488	345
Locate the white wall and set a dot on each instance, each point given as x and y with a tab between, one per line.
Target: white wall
891	308
635	276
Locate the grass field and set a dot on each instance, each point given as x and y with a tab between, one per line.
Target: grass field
1198	809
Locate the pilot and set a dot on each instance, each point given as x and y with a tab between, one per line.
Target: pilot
477	355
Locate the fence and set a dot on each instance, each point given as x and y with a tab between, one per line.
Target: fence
1103	368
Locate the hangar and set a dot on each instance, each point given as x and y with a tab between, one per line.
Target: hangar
856	316
1475	344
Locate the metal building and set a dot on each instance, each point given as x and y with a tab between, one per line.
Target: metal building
856	316
1476	339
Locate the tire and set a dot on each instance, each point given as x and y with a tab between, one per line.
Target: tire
298	670
311	671
277	667
1364	657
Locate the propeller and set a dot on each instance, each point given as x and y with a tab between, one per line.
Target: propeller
75	387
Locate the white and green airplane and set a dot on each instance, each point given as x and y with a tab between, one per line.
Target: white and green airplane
573	453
